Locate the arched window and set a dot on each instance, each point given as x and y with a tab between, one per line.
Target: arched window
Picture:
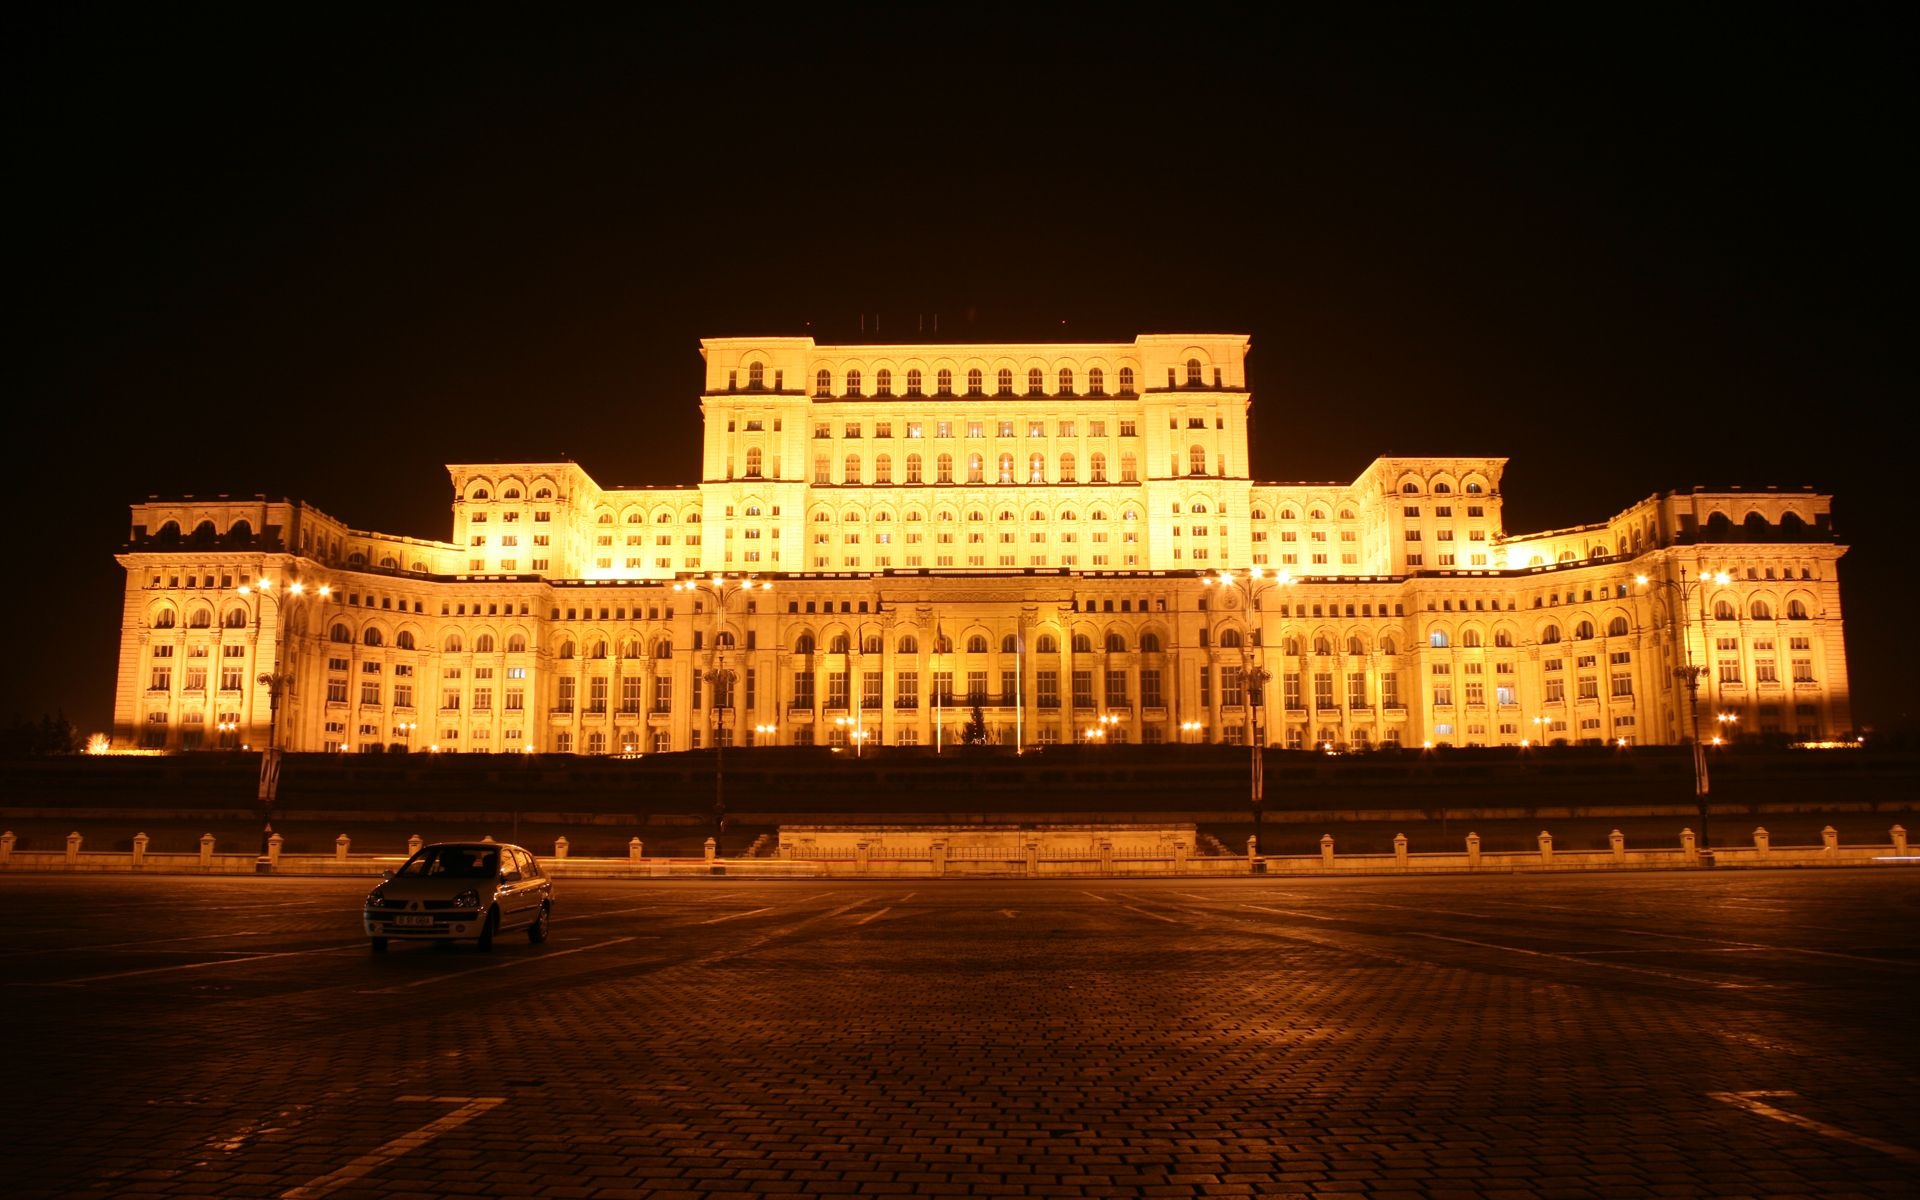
1230	639
913	381
1323	647
1126	381
882	469
1723	610
823	382
942	644
1010	644
517	644
753	462
1066	381
838	645
452	644
1475	488
663	648
1796	610
1617	627
1503	638
976	644
1196	460
883	382
943	382
1760	611
913	469
1096	382
483	644
600	646
1442	489
1129	469
566	650
1006	468
1066	468
1045	644
164	619
1082	644
852	474
1036	382
871	644
756	375
235	619
943	468
1355	646
1193	372
803	644
1116	643
973	381
1437	639
1005	381
909	644
1470	637
1149	643
371	637
1411	489
1097	467
1389	647
853	383
1036	468
1550	636
339	633
1583	631
404	639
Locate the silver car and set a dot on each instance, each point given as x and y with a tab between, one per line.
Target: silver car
453	891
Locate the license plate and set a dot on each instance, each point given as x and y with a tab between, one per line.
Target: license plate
413	920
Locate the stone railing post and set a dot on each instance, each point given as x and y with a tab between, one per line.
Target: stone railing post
1033	856
712	849
341	845
862	855
560	847
487	838
1688	849
939	856
1326	850
73	847
1473	851
1181	850
8	838
633	852
1618	841
273	850
140	842
1400	851
1762	842
1899	841
206	849
1830	841
1253	851
1106	856
1546	848
413	845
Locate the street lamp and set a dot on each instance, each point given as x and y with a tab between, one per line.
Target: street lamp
762	732
405	730
228	730
278	680
855	734
720	678
1727	722
1187	727
1251	584
1689	675
1108	721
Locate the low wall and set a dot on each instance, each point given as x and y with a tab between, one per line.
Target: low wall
930	853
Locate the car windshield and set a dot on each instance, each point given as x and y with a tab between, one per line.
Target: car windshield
467	862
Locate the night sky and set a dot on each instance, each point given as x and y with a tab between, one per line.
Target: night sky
320	253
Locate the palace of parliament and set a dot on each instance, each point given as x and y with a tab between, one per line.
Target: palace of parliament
1068	537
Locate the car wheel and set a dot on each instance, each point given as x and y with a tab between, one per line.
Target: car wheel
488	930
379	945
537	932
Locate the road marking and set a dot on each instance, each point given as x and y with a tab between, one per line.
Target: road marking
470	1107
873	916
1754	1102
499	966
731	916
1156	916
222	962
1008	913
1288	912
1681	937
1588	962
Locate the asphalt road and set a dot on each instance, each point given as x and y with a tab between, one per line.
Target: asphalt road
1630	1035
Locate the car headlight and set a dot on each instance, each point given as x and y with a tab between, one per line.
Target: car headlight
467	899
376	899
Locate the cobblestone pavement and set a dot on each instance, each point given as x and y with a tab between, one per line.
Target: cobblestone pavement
1633	1035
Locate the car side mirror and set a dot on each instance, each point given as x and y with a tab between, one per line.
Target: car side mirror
387	874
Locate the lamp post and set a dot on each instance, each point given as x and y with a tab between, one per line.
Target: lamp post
1689	675
1187	727
720	678
405	730
278	679
1727	722
1108	722
228	730
854	731
1252	584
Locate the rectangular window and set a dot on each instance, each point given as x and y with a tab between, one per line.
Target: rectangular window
906	689
1589	687
943	687
1623	683
1046	687
976	687
1556	691
1116	689
370	694
870	690
1083	689
803	689
1150	688
1290	694
1233	686
836	689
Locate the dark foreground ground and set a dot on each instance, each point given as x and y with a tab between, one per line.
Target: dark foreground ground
1636	1035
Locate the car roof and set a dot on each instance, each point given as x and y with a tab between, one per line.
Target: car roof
475	846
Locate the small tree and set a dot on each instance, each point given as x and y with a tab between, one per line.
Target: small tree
975	733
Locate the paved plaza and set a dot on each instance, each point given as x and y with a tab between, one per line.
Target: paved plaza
1698	1034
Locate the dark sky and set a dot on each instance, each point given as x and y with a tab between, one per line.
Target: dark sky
320	253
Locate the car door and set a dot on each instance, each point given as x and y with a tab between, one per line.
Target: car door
515	889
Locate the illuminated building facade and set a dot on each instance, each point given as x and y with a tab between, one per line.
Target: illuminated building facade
1038	530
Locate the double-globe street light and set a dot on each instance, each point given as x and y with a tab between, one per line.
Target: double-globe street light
1687	587
720	677
278	679
1252	584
